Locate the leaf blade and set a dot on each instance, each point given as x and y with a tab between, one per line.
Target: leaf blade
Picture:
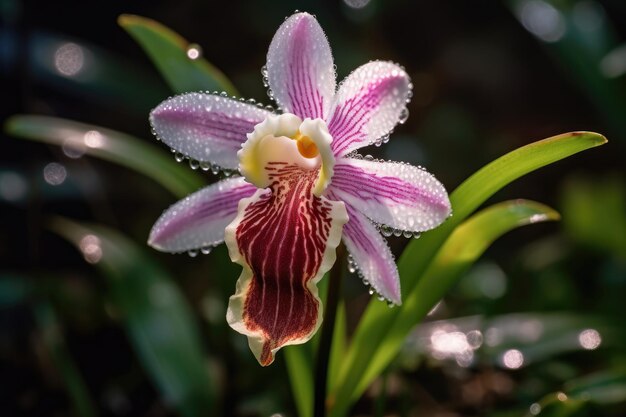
110	145
168	51
157	317
465	199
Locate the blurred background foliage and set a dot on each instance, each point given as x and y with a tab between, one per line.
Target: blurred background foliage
533	328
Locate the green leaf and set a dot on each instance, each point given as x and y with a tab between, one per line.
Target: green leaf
377	318
158	319
299	360
464	246
54	343
338	347
168	52
606	387
109	145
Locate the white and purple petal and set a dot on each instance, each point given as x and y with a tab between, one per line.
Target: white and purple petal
300	68
391	193
199	219
369	104
372	255
206	127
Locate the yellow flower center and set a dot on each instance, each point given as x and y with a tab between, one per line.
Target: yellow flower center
306	146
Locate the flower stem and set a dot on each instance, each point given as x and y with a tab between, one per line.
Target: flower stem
326	338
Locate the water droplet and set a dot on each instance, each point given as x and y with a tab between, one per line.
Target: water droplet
194	164
264	71
206	249
368	157
205	166
407	234
215	169
192	252
179	157
371	291
224	94
404	115
386	231
397	232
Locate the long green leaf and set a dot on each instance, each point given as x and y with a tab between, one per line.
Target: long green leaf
159	320
464	246
465	199
299	360
109	145
168	52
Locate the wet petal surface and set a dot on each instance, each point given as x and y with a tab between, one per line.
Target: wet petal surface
369	104
371	254
206	127
395	194
199	219
300	69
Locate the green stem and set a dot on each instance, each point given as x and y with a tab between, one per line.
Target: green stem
326	338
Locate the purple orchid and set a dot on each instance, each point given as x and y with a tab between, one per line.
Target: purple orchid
303	188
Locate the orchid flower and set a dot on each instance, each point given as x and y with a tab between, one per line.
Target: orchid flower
303	188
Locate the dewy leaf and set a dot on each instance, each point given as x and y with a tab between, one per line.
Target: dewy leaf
158	319
110	145
465	199
176	59
464	246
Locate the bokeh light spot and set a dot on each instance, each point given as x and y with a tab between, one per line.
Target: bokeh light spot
69	59
513	359
54	173
589	339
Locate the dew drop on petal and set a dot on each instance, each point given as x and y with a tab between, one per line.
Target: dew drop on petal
404	116
194	164
386	231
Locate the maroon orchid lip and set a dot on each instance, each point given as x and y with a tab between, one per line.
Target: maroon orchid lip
285	239
302	181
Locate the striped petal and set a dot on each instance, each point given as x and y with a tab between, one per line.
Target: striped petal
206	127
300	69
369	104
199	220
285	239
371	254
391	193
